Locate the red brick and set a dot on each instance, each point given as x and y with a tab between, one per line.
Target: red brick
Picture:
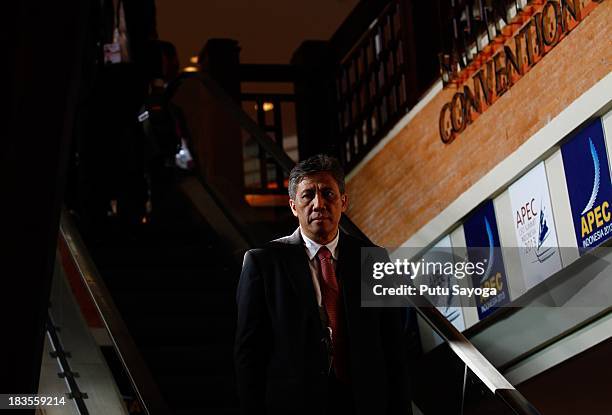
416	176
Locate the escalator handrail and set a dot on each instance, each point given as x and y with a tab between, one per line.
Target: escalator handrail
141	379
458	343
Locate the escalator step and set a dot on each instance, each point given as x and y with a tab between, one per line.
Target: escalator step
198	390
160	303
182	331
213	360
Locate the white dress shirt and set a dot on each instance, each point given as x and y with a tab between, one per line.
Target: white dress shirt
315	265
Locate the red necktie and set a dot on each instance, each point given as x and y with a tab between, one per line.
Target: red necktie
331	299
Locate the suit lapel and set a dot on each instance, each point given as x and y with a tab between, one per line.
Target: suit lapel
299	274
348	271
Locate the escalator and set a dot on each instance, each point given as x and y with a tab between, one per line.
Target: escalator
173	281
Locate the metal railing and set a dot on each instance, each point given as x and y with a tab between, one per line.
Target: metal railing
271	177
274	113
140	377
458	343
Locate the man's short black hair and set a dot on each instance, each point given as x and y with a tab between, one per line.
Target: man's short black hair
312	165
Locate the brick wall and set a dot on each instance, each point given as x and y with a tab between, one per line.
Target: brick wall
415	176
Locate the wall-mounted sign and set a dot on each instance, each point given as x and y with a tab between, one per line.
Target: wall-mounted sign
588	182
534	226
482	241
482	74
449	305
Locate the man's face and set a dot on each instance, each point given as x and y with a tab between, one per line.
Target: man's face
318	206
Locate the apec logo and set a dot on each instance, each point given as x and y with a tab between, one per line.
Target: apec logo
587	175
482	240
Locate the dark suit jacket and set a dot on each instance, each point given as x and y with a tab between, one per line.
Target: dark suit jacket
281	360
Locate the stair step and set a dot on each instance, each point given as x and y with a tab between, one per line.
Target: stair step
151	274
205	285
159	260
213	360
198	390
200	411
168	331
175	303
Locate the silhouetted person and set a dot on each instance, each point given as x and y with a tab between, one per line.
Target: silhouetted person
110	147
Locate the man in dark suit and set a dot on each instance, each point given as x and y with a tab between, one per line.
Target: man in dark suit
304	344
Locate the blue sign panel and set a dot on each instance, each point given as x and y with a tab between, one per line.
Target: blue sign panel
482	241
588	182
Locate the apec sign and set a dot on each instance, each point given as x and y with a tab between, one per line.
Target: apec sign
587	174
534	226
482	240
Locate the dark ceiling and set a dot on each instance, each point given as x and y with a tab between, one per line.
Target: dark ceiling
268	30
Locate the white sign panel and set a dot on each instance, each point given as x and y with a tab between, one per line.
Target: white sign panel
534	226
